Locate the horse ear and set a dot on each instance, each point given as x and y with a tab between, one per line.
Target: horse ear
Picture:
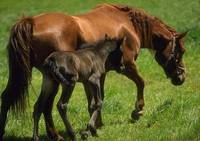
182	35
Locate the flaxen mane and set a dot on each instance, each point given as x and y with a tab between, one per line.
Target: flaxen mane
98	44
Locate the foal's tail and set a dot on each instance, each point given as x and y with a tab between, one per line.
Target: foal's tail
19	53
52	68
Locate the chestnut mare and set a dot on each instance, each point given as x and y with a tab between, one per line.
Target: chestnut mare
32	39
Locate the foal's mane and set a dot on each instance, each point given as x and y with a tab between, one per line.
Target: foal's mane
98	44
143	23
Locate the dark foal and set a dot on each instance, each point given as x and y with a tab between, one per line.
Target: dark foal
87	65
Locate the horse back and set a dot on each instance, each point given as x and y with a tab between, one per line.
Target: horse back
101	20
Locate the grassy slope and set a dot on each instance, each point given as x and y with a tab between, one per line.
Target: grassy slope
171	113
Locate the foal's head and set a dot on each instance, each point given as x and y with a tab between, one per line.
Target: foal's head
169	54
109	45
113	48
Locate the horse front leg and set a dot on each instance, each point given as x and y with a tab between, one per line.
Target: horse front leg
48	86
132	73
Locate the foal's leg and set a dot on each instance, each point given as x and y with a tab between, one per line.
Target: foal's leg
132	73
50	128
93	92
48	86
90	99
62	108
99	122
102	81
96	105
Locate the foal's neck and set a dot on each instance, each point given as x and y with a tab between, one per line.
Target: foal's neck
105	51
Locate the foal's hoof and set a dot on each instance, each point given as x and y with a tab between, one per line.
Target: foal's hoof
54	135
136	115
99	124
59	138
93	130
84	134
35	138
88	132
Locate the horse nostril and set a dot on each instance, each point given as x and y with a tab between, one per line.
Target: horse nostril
178	80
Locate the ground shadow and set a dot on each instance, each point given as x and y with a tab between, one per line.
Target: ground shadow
42	137
14	138
158	111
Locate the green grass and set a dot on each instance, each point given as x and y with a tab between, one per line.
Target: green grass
171	113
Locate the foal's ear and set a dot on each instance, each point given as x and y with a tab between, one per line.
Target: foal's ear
106	37
122	42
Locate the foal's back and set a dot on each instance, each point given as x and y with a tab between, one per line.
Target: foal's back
81	64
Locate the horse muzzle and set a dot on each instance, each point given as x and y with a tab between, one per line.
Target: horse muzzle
178	80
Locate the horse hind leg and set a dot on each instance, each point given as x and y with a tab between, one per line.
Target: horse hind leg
5	106
48	86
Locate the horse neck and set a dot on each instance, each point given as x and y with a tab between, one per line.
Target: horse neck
147	27
161	33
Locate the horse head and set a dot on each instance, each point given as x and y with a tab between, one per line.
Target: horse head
169	54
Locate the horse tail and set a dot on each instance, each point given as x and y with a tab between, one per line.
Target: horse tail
19	60
51	66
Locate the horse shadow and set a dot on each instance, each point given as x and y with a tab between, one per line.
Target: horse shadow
153	116
42	137
158	111
26	138
153	119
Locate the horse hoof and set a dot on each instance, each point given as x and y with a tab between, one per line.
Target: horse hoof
136	115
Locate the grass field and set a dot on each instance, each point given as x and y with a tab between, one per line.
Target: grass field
171	113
